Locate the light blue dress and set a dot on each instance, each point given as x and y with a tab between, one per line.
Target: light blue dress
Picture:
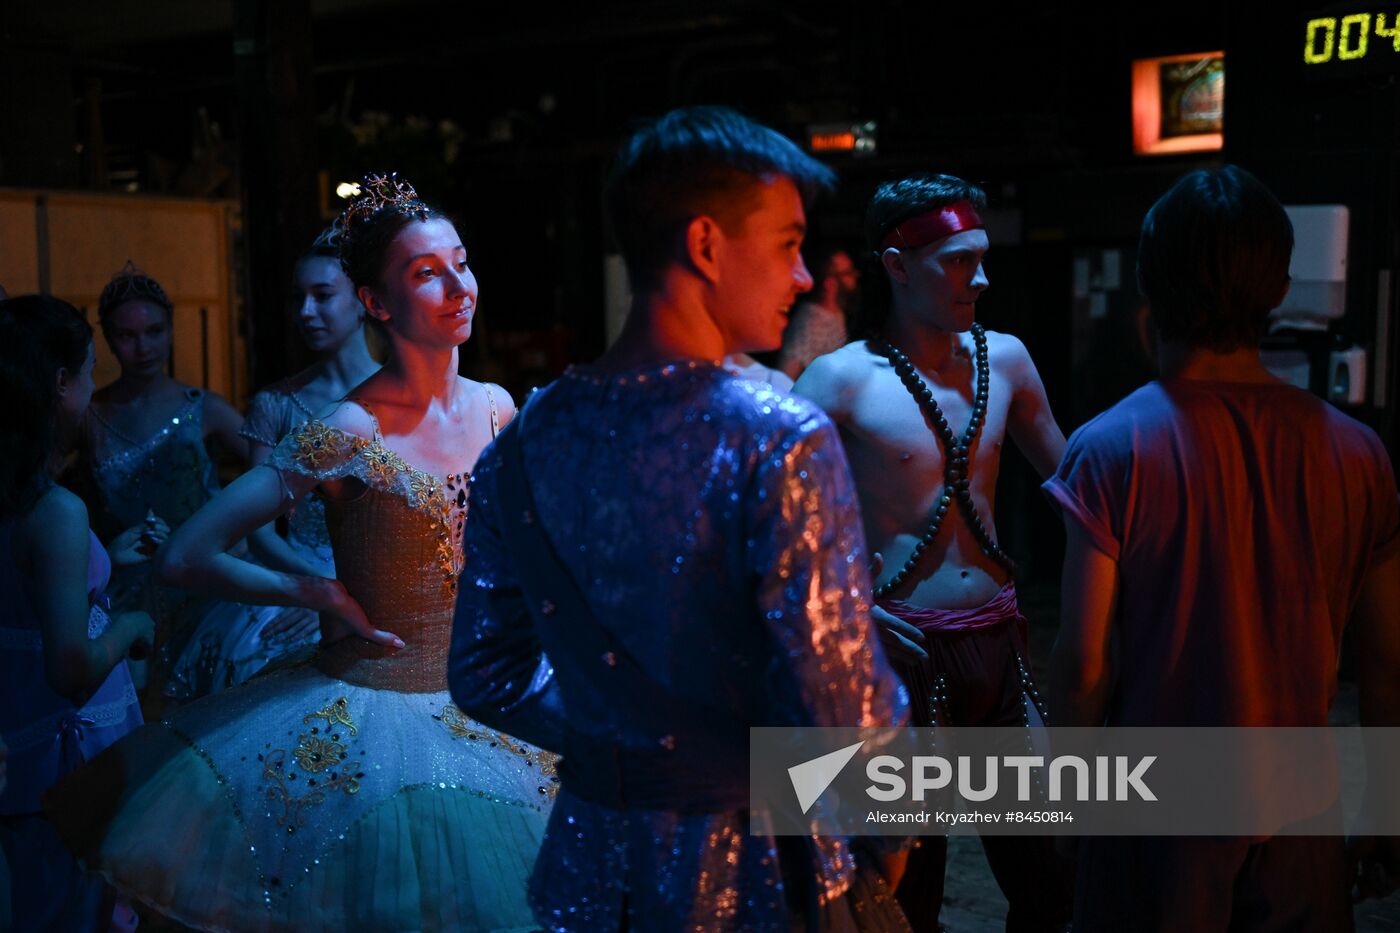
203	645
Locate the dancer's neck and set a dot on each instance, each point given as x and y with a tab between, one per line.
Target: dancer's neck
347	366
1179	361
423	374
928	349
671	322
131	386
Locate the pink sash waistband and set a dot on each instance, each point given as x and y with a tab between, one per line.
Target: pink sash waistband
1000	608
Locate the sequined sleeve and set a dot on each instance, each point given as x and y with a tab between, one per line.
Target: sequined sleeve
497	670
807	551
266	421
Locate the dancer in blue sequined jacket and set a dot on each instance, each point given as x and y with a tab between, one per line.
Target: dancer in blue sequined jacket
662	555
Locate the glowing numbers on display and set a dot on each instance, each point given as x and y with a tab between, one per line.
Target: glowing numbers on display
1393	33
1310	53
1348	38
1363	23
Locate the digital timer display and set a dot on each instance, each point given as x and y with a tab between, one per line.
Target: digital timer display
1352	43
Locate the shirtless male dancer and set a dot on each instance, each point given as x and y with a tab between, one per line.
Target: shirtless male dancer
923	410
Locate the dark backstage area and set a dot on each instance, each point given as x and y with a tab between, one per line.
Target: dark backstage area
904	366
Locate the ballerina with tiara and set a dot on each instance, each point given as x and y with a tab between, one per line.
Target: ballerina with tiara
332	322
347	793
147	449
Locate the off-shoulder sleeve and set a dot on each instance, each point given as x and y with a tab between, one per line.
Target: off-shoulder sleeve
807	552
266	421
319	451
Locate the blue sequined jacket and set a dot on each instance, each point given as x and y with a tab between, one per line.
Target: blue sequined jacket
712	525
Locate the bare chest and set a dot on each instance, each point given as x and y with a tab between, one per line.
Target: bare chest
893	435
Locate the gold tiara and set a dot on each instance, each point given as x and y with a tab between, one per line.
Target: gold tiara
376	193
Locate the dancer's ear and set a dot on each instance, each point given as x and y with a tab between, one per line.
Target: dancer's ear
63	380
702	244
893	261
372	303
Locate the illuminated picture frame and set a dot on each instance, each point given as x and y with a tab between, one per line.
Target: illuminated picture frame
1178	103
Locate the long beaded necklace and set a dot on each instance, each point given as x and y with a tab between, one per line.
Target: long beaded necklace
955	456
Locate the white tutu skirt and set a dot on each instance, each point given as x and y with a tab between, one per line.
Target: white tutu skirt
302	802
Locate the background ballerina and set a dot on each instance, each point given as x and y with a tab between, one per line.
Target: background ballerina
151	446
331	321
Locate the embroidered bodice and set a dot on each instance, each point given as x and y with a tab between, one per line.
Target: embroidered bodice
168	473
398	550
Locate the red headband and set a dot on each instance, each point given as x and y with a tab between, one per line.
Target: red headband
923	229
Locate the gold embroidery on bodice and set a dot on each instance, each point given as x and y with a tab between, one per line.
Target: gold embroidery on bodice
398	550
